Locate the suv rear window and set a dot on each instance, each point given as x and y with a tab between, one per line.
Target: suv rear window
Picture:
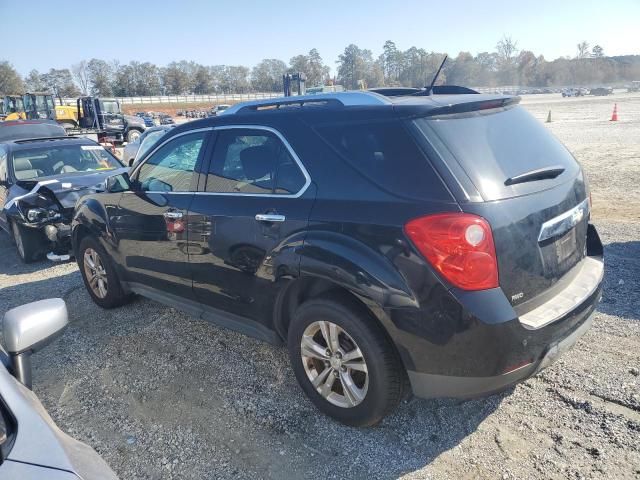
386	154
494	145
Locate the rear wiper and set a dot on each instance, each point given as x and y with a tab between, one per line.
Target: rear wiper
533	175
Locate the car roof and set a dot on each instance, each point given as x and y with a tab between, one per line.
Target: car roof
28	143
20	129
403	105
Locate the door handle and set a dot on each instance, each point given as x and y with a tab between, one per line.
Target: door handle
270	217
173	215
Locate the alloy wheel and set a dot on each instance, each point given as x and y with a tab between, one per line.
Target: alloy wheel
334	364
95	273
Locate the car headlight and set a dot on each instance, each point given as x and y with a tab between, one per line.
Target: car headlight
36	214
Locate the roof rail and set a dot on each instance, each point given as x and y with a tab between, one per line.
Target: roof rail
343	99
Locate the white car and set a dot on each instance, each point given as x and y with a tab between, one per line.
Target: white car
219	109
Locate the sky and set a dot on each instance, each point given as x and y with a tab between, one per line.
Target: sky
243	32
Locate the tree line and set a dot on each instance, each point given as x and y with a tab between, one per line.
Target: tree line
355	67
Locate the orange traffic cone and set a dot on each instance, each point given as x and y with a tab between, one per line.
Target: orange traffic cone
614	115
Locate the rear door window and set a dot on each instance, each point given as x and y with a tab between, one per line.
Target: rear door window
253	161
494	145
386	154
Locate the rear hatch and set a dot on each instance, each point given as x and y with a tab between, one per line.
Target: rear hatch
516	174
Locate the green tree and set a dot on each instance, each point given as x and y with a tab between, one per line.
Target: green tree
33	82
202	80
266	76
597	51
60	82
235	79
175	78
10	80
101	77
392	63
356	67
318	72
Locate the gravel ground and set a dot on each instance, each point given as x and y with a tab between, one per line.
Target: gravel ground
164	396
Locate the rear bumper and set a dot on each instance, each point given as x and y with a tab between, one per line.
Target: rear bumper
425	385
466	344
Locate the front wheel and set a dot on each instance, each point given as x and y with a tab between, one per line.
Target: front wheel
133	135
98	274
344	362
27	242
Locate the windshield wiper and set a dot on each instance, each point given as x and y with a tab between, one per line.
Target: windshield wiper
533	175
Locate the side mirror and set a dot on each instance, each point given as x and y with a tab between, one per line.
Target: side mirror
30	327
117	183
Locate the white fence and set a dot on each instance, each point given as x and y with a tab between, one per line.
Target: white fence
212	99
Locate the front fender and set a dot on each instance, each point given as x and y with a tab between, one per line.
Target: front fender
357	267
90	215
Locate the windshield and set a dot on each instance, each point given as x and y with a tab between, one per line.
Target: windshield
39	162
494	145
222	107
110	106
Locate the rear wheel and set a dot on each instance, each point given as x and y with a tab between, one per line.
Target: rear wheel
98	275
27	242
344	362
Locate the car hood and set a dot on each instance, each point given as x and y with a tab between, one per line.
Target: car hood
39	441
67	188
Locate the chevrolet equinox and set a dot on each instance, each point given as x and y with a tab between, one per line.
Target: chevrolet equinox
433	244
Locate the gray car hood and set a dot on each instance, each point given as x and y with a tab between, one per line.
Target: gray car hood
39	440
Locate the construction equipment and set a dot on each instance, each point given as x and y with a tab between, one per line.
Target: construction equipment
298	80
38	105
30	106
11	107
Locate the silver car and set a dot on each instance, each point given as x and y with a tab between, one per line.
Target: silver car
141	145
32	447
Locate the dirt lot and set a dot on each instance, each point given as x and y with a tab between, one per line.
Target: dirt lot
163	395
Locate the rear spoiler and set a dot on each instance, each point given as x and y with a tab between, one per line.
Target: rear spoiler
466	107
436	90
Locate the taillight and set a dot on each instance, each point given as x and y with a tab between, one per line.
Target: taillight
459	246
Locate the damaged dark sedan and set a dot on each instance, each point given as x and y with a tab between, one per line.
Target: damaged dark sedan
40	181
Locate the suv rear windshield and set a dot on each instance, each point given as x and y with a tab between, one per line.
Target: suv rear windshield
494	145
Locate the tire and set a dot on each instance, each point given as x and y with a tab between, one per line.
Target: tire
28	243
132	135
374	394
100	280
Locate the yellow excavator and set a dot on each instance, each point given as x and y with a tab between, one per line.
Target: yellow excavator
38	105
12	107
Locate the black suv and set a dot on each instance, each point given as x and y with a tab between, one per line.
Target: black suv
439	243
